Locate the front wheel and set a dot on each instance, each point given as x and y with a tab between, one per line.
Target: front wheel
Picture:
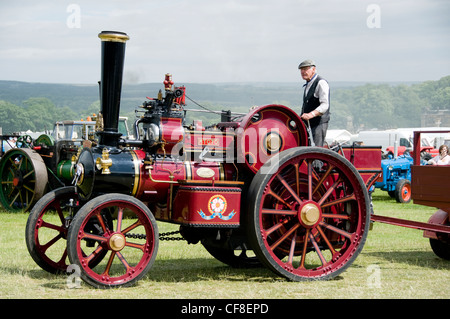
120	227
46	229
403	191
309	214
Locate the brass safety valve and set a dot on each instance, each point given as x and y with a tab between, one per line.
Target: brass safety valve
104	162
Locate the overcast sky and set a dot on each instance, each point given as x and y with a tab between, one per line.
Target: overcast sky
227	41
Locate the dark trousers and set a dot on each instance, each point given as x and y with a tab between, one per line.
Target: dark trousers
319	132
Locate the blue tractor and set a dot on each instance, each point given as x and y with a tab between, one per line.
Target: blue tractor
396	174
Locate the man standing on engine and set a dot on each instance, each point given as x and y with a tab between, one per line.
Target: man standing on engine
316	102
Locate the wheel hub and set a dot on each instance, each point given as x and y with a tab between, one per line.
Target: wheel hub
273	142
309	214
17	180
117	242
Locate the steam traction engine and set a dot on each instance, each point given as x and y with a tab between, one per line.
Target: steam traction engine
250	184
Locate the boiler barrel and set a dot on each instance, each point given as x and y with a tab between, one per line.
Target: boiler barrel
123	176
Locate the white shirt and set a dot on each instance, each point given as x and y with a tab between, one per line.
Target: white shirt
440	161
322	93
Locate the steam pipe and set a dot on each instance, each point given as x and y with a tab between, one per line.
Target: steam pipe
113	56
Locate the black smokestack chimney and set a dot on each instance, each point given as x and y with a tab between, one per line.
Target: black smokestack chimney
113	56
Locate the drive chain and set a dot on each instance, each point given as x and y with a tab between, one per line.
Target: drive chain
162	236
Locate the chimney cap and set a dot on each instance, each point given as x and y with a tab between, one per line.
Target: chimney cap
113	36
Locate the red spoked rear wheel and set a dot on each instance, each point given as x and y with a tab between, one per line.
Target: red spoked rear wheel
122	228
308	214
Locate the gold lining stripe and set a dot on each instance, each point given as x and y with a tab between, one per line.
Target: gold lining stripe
187	170
221	172
136	173
61	168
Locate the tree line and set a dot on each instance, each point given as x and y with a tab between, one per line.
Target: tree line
385	106
38	114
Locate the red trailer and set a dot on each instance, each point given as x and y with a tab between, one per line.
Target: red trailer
429	187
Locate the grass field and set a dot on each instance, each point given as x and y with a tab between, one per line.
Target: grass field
396	262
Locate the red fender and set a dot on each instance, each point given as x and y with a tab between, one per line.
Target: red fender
440	218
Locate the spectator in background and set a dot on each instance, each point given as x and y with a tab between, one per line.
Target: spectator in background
443	158
9	144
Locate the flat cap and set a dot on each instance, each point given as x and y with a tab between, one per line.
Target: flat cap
307	63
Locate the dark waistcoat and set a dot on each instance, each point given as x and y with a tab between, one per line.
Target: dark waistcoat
310	103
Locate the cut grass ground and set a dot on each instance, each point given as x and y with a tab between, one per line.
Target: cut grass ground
396	262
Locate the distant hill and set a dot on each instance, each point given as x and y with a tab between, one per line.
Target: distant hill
232	95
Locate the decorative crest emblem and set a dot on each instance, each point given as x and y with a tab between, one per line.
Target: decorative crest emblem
217	205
